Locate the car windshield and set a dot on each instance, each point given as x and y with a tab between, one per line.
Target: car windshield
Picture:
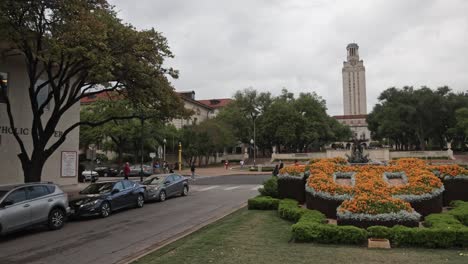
98	188
154	181
2	193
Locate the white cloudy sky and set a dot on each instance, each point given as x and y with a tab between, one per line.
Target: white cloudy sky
222	46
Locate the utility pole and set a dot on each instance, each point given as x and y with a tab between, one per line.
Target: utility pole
141	139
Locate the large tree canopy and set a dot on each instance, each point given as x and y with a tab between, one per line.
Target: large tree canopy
70	48
296	123
415	118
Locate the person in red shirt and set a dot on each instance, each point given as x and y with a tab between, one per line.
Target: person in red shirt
126	170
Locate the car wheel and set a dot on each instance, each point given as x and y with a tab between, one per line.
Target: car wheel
162	196
140	201
56	219
105	209
185	191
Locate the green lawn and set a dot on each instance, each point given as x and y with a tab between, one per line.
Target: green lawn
262	237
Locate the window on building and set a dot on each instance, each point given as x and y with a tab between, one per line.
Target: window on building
3	86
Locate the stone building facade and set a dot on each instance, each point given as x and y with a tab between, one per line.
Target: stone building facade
354	94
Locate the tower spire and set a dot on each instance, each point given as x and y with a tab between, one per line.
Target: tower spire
354	83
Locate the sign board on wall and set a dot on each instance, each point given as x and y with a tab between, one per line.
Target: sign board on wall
69	164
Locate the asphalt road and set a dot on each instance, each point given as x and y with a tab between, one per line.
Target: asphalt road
124	233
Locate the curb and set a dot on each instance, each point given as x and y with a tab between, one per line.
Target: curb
150	249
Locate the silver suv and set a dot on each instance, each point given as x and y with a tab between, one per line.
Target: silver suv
23	205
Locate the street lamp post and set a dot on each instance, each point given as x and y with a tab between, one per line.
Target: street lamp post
141	139
180	156
164	151
252	141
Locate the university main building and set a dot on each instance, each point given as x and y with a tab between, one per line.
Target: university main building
354	94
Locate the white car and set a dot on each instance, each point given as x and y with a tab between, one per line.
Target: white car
90	175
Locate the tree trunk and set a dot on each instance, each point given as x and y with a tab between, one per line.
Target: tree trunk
32	168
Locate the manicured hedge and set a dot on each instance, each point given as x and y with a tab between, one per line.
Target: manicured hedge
380	232
310	231
460	211
263	203
270	187
289	209
430	237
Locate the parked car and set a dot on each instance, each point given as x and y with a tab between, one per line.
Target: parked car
106	171
135	171
90	175
24	205
103	198
160	187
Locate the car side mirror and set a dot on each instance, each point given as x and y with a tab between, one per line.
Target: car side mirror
115	191
7	203
167	182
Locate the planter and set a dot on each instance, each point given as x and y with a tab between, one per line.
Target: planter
292	187
325	206
368	223
378	243
430	206
455	189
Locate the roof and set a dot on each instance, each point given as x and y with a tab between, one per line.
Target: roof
100	96
188	99
216	103
350	117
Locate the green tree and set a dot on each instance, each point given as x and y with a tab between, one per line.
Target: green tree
70	48
416	118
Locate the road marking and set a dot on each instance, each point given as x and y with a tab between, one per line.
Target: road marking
208	188
232	188
256	187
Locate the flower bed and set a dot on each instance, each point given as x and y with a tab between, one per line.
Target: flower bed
372	197
455	179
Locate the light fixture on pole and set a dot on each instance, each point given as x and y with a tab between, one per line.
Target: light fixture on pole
164	150
253	144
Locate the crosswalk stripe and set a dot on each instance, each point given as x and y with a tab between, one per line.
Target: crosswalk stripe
232	188
208	188
256	187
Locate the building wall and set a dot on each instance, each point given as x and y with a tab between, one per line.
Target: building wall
18	83
200	114
358	126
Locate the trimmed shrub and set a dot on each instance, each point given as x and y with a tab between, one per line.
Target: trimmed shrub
263	203
380	232
305	231
425	237
270	188
289	209
442	221
460	212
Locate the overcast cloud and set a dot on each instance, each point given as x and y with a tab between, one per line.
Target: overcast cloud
225	46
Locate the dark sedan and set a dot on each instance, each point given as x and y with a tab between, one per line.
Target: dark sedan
160	187
106	171
104	197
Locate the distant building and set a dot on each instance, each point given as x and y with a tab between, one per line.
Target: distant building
216	104
354	94
201	112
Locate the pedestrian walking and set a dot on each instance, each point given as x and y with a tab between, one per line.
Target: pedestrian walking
242	164
192	169
276	170
176	165
126	170
226	164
